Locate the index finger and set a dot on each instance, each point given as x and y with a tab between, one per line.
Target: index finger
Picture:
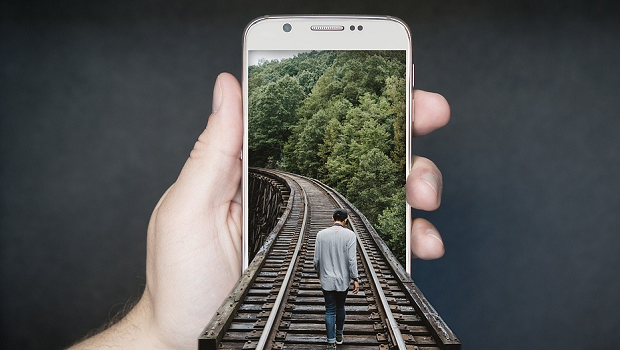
431	111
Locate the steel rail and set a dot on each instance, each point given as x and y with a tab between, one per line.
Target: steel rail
277	303
392	324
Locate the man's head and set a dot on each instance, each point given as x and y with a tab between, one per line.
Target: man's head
340	215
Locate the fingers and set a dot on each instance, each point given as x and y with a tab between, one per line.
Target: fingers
431	112
212	173
425	182
424	185
426	243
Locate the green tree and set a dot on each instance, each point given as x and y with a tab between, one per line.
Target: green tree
391	225
364	128
372	186
272	113
300	152
305	152
353	74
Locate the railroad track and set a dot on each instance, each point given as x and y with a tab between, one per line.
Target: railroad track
278	303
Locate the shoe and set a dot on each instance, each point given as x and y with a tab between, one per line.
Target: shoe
331	346
339	339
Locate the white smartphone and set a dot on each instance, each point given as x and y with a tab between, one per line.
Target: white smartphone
329	98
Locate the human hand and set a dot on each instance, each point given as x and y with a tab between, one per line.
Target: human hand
425	183
194	236
356	286
193	240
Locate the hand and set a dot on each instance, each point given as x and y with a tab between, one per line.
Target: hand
425	183
194	235
356	286
193	240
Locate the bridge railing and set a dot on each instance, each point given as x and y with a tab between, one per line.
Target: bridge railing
268	196
272	194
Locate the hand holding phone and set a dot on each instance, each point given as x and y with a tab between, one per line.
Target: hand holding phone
193	242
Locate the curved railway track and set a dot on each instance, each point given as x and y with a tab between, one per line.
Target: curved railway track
278	303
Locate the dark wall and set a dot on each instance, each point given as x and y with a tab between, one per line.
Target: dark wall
100	104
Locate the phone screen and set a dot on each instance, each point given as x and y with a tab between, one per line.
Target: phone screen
337	116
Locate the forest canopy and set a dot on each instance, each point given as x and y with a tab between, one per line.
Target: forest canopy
339	117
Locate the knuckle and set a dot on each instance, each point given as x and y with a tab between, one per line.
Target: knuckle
200	147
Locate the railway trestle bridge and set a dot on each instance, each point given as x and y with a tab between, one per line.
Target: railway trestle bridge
278	303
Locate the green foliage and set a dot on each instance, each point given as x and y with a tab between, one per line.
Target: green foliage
391	225
397	97
363	130
311	131
353	74
305	160
338	117
307	67
271	114
372	185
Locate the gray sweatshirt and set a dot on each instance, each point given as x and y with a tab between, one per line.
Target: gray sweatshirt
335	258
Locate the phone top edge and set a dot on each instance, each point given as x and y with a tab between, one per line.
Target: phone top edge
328	16
265	35
348	15
250	24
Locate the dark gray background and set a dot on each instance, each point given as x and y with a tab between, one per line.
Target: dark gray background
101	102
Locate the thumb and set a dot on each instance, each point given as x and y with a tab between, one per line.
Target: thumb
212	174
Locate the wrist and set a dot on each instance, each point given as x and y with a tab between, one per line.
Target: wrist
133	331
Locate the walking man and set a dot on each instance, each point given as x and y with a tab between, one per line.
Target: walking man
335	261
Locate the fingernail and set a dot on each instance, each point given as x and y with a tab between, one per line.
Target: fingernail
433	233
217	96
431	180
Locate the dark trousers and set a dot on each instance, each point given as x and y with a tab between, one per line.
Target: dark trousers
334	313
